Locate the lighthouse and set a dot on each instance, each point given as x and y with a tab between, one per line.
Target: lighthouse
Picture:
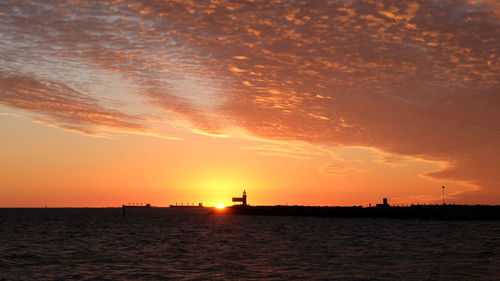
242	199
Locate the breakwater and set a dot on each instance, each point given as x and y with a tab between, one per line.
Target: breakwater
440	212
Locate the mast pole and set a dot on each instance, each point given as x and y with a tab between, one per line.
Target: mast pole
443	193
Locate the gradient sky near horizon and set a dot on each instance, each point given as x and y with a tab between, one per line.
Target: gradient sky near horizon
299	102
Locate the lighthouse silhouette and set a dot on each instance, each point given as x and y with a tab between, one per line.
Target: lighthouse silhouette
242	199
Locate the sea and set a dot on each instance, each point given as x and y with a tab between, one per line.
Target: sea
188	244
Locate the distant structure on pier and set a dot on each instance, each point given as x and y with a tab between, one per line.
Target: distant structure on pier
384	203
242	199
137	205
200	205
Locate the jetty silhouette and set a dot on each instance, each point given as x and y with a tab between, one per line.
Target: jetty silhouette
383	210
200	205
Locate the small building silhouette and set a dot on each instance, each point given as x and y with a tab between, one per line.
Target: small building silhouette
242	199
384	203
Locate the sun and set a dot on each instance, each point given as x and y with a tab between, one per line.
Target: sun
220	206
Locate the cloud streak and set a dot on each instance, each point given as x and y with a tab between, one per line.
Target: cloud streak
58	103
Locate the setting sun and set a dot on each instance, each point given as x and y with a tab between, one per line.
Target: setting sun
220	206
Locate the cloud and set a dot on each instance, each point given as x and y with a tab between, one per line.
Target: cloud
418	79
293	151
71	109
392	161
334	169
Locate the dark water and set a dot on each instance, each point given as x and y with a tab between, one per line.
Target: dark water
166	244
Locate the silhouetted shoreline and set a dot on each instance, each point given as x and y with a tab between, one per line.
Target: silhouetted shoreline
437	212
432	212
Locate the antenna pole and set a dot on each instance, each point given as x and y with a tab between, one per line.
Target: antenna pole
443	194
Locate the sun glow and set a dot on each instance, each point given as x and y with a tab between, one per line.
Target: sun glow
220	206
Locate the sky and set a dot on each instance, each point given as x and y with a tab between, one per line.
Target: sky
339	102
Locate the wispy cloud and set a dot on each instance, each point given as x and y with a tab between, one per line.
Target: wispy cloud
293	151
334	169
392	161
58	103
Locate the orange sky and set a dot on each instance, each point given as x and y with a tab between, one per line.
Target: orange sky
322	103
